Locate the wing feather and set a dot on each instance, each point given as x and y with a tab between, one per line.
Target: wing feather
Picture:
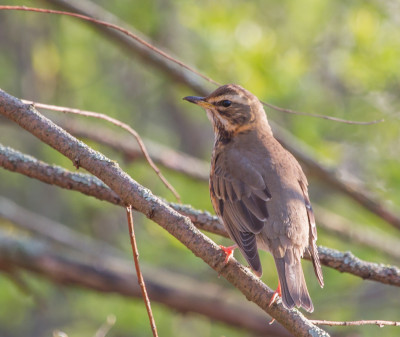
241	201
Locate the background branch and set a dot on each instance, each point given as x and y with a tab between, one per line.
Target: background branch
174	71
117	276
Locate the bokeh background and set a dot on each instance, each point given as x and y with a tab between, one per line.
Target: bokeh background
328	57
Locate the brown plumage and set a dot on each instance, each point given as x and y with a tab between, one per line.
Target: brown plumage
259	190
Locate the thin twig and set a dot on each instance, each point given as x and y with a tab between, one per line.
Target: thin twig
334	119
138	272
379	323
117	123
172	59
106	326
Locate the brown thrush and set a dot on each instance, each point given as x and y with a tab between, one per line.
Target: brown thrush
259	191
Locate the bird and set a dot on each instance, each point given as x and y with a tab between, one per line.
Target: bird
260	192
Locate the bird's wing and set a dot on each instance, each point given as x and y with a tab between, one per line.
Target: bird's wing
312	234
240	199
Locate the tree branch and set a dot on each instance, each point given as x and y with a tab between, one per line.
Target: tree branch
379	323
54	231
155	209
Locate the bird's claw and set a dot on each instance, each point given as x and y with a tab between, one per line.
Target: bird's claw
228	252
275	295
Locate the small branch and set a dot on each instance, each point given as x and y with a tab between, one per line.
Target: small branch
347	262
379	323
106	327
330	118
117	123
138	272
89	185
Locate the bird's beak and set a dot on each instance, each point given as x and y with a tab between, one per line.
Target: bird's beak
199	101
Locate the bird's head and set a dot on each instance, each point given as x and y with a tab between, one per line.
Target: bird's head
232	110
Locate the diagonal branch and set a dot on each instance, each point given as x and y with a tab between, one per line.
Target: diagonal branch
155	209
17	162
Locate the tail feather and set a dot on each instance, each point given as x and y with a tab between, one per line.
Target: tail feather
316	263
293	285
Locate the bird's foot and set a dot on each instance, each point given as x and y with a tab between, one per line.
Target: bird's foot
228	252
275	295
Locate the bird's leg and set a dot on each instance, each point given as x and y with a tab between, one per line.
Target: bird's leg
228	252
276	294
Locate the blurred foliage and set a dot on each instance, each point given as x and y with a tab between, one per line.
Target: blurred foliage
328	57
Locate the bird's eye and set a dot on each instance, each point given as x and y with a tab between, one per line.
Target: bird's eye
226	103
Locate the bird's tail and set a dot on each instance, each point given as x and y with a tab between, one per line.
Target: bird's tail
293	285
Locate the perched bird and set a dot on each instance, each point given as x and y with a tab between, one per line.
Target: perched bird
259	191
